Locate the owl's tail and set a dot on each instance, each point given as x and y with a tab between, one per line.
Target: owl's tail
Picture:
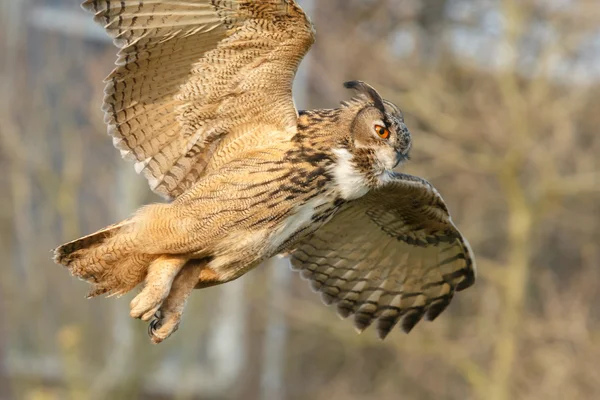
109	259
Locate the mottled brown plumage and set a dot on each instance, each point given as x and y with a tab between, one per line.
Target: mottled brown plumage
201	102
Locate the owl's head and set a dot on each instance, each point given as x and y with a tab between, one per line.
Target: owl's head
378	128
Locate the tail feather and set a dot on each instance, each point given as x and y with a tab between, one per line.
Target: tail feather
109	259
66	252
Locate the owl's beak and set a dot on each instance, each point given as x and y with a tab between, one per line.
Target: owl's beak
400	157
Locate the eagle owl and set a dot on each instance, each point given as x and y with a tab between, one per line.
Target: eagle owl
201	102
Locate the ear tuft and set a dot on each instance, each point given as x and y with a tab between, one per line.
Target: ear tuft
367	90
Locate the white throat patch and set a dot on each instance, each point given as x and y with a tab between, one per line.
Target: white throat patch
350	182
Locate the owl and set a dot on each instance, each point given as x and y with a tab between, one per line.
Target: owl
201	102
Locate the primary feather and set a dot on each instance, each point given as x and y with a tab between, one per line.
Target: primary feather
190	72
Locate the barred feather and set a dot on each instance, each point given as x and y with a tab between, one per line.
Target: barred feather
190	72
391	257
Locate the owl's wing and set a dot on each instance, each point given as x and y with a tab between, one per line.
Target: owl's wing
191	71
392	254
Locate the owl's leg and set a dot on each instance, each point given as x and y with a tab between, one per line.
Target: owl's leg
158	282
168	316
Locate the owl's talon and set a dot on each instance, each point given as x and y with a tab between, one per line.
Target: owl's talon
157	285
153	326
168	316
161	328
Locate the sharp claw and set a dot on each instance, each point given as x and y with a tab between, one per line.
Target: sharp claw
154	325
164	326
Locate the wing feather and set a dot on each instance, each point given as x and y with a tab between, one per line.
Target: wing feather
190	72
392	256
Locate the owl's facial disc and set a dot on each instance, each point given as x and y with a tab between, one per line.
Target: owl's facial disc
380	128
395	141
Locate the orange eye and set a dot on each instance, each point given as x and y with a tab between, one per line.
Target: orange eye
382	131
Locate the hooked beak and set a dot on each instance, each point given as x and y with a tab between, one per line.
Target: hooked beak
400	158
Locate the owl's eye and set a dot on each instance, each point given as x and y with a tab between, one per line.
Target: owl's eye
382	131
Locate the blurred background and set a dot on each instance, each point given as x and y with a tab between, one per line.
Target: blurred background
502	99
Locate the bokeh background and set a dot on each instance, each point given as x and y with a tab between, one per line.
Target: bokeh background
502	97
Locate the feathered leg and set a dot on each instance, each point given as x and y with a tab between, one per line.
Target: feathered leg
168	316
159	279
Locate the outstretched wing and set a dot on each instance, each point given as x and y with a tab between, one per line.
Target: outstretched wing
190	72
392	254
